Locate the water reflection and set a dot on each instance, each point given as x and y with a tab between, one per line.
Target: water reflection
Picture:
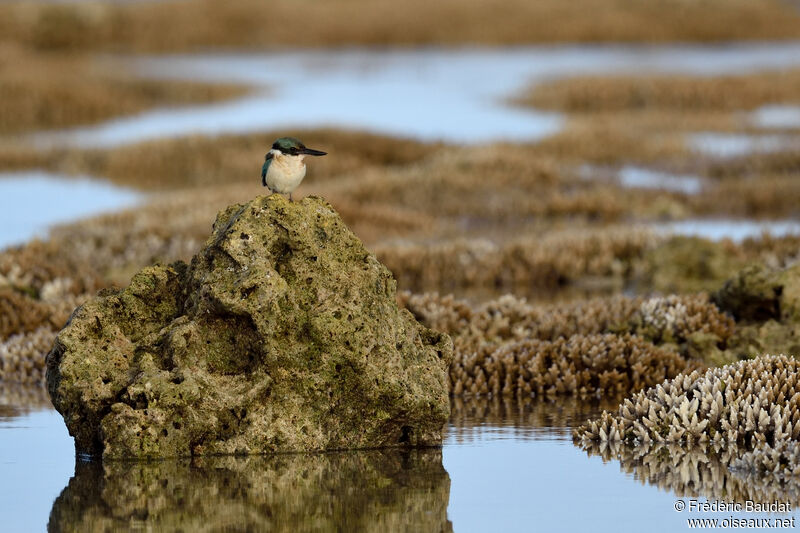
348	491
506	465
17	400
522	418
699	471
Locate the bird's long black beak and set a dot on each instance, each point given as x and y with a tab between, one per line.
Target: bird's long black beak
309	151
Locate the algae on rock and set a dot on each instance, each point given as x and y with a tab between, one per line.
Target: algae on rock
282	335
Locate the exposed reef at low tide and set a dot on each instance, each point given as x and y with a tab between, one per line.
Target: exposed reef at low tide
605	346
741	404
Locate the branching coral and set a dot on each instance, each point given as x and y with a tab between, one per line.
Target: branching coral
32	267
746	403
694	324
676	318
512	318
22	356
20	313
542	262
582	365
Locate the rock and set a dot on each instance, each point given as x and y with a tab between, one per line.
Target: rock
766	305
758	293
282	335
690	264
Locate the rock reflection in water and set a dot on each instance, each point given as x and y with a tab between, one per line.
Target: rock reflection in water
697	471
345	491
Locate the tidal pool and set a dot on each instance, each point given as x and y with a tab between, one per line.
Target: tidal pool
777	116
736	230
725	145
456	95
636	177
35	200
505	466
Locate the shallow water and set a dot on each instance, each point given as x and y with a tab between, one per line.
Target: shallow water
725	145
777	116
504	467
635	177
35	200
456	95
733	229
644	178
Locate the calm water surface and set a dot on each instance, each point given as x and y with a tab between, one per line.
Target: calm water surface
32	201
504	467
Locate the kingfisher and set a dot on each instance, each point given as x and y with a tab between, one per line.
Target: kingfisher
284	168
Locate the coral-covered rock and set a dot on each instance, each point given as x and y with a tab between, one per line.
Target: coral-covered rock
282	335
758	293
766	305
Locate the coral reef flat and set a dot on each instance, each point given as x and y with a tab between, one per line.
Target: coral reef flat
589	210
168	26
47	91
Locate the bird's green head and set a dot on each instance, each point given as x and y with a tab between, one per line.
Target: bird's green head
292	146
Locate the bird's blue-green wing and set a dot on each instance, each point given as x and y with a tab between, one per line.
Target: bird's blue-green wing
265	168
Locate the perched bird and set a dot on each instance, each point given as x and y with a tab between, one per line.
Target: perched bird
284	168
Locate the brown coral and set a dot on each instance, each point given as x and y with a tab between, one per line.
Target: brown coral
549	261
689	320
582	365
22	356
20	313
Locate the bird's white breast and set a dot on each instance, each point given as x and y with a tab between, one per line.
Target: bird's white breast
285	172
